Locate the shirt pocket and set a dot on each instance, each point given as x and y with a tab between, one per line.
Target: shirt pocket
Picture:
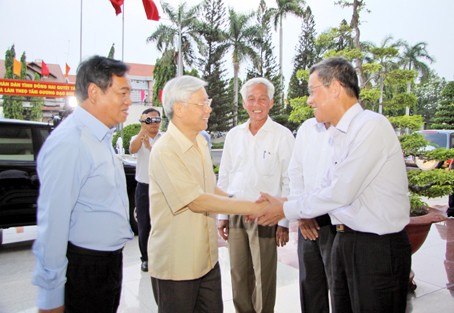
266	162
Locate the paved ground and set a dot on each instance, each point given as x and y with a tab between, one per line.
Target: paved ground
433	265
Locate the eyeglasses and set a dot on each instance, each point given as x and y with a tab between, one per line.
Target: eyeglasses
151	120
206	104
311	89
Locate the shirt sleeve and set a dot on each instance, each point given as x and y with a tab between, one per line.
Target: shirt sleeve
225	167
285	152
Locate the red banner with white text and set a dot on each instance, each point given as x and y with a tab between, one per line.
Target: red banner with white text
31	88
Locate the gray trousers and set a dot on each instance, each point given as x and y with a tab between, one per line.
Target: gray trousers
315	273
253	264
202	295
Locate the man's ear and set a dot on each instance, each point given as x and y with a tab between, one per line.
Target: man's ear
178	109
93	92
336	88
271	103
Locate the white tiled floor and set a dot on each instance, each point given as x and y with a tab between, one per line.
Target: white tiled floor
17	294
432	264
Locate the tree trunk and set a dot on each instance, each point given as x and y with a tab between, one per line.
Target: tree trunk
281	77
354	24
236	69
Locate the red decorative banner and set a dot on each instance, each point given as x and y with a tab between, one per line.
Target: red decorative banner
31	88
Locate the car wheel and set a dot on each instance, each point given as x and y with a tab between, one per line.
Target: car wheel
132	213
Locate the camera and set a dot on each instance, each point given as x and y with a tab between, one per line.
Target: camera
149	120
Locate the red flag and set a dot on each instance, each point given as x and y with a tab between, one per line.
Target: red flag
67	70
142	95
17	66
117	5
151	10
44	69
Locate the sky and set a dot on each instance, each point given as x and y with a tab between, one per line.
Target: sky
51	29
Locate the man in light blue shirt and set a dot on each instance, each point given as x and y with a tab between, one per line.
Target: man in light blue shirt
83	220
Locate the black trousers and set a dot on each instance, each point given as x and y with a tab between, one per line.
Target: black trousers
202	295
143	218
315	271
370	272
93	280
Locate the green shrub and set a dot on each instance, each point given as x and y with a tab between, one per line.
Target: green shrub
128	132
217	145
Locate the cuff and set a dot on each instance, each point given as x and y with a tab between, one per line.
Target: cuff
222	217
50	299
283	223
291	212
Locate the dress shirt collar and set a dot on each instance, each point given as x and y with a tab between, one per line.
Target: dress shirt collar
348	117
267	125
98	129
320	127
182	140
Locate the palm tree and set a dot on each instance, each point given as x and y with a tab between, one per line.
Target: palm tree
284	7
238	38
182	35
412	55
411	59
384	56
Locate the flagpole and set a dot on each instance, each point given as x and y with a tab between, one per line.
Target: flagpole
80	32
122	59
123	35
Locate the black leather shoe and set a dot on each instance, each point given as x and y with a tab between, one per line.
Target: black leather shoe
144	266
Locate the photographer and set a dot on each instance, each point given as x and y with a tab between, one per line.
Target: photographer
141	145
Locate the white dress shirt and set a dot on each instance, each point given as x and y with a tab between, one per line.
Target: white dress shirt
366	185
311	157
143	158
253	164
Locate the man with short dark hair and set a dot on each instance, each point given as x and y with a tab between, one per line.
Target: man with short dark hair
365	193
83	209
141	145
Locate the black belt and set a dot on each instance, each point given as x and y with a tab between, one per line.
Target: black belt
341	228
84	251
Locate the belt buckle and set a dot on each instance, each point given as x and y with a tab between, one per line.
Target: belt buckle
340	228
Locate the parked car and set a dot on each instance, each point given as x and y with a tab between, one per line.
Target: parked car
20	142
439	138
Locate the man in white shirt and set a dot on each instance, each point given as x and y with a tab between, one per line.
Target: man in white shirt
365	192
255	158
141	145
307	168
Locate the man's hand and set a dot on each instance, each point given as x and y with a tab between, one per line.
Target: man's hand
309	228
272	213
223	229
281	236
146	141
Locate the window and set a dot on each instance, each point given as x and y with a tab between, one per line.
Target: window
16	143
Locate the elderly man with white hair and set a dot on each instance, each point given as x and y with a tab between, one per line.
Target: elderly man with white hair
183	250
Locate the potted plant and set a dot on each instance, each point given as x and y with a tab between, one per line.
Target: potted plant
432	183
436	181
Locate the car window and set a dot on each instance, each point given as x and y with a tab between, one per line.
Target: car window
16	143
439	140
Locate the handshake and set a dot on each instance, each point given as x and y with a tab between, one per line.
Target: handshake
271	211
